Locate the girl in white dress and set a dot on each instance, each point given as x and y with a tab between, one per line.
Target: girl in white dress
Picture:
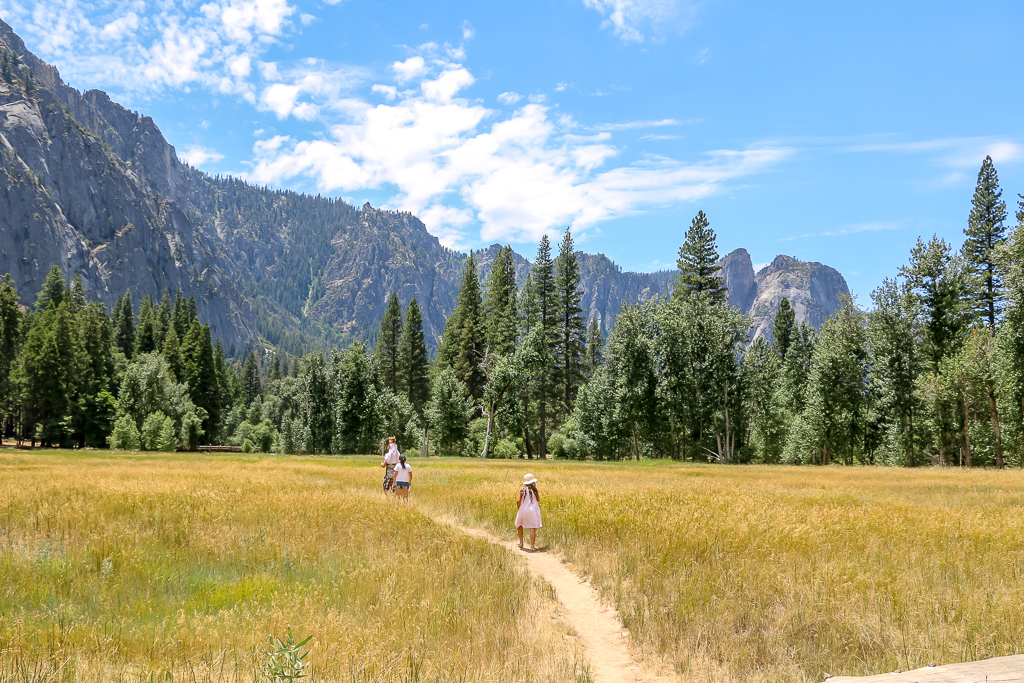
528	515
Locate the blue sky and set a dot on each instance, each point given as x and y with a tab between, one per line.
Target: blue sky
831	132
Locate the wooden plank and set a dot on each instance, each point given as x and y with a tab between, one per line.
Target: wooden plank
998	670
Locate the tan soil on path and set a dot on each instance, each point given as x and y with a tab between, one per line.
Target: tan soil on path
598	625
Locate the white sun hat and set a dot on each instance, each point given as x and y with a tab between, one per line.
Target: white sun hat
529	479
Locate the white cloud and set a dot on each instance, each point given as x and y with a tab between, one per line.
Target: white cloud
127	47
952	152
447	85
468	32
389	92
509	97
197	155
630	125
627	17
410	69
476	176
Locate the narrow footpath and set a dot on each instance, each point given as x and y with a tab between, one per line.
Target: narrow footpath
598	625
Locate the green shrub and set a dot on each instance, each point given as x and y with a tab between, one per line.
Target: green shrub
125	435
556	445
247	446
505	449
168	439
151	429
264	435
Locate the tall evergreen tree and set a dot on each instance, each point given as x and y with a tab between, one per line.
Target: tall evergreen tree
782	331
162	321
985	232
413	363
173	355
180	316
595	341
95	404
201	374
543	307
387	343
76	294
10	342
896	361
145	338
124	326
570	341
698	263
500	304
835	392
52	291
252	378
462	346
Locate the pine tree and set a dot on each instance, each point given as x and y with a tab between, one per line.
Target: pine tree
571	333
387	343
543	305
179	315
52	291
10	341
835	389
937	278
145	338
275	368
319	402
896	361
76	294
985	232
252	379
500	304
462	345
95	404
450	411
162	322
782	331
173	355
413	363
124	326
595	341
201	374
698	263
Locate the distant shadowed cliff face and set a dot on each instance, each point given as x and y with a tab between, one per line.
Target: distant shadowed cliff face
97	189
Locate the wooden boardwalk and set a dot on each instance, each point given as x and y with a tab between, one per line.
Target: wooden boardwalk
998	670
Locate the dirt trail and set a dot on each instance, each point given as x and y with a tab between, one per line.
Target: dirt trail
598	625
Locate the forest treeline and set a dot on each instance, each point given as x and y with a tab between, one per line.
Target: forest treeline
932	373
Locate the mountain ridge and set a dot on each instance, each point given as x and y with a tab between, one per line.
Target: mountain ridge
99	190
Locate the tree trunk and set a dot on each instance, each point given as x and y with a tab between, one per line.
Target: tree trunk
910	437
995	424
490	426
542	446
969	459
728	448
424	449
636	449
526	440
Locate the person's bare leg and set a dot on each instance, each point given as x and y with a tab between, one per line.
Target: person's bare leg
533	539
520	530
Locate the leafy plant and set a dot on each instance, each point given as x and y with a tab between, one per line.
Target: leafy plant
285	659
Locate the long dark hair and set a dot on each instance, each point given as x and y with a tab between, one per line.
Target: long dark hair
532	486
401	461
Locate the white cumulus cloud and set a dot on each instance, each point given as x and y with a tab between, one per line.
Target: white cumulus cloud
198	156
476	176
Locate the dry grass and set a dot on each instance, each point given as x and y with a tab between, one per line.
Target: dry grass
116	567
777	574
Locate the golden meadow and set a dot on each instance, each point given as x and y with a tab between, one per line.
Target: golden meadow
135	567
